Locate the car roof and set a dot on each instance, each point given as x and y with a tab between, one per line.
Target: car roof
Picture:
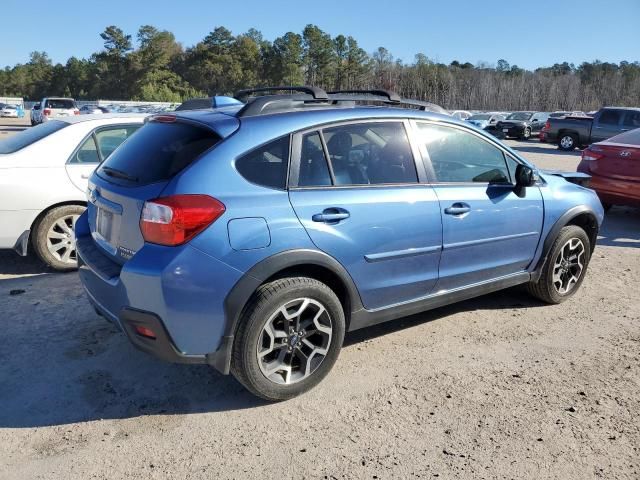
71	119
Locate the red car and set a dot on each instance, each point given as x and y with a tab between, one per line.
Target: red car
614	166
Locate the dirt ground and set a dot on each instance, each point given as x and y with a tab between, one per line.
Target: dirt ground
497	387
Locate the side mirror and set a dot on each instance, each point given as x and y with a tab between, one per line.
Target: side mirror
535	120
36	107
525	176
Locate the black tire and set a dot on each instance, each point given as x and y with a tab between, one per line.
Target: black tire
526	134
264	303
567	142
544	289
42	231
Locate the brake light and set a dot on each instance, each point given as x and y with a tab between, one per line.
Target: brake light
46	112
177	219
591	155
76	112
547	126
163	118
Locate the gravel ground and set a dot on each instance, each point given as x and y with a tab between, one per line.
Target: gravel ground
497	387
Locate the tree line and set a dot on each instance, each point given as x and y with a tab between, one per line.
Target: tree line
155	67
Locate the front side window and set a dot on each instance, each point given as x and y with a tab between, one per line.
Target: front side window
370	154
610	117
459	156
267	165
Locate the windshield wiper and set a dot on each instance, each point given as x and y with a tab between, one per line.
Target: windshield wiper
115	173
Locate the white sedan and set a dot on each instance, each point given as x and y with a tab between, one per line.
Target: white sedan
43	180
9	111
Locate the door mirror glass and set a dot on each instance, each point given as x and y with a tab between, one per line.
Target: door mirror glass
525	176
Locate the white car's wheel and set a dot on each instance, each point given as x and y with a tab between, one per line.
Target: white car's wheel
54	239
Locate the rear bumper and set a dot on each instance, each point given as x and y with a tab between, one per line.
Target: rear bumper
177	292
613	191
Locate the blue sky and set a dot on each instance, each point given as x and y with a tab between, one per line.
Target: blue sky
529	34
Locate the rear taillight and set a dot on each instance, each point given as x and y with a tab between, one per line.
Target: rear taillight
76	112
46	112
547	126
177	219
590	155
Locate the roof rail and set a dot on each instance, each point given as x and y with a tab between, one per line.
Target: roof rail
316	97
315	92
389	94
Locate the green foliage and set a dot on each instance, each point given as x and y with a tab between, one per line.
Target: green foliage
155	67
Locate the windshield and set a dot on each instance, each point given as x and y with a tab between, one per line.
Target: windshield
520	116
60	103
479	117
30	135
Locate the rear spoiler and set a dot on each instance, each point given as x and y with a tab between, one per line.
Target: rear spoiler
578	178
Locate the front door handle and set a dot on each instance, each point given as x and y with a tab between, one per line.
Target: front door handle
331	215
457	208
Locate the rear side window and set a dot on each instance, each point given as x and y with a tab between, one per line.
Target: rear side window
60	103
30	135
156	153
610	117
267	165
632	119
370	154
314	171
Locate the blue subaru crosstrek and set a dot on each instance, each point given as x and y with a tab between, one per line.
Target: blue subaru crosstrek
252	237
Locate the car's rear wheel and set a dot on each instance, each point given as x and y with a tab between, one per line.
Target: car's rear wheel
289	338
567	142
54	239
565	267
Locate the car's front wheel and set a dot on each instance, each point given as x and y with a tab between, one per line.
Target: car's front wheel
289	338
526	134
565	267
54	239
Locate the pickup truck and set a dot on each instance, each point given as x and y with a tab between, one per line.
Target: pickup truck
572	132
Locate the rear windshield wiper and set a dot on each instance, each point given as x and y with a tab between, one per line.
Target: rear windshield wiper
115	173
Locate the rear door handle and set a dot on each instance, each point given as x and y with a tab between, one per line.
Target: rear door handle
457	208
331	215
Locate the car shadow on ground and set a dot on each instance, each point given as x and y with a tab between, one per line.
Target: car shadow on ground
77	367
13	264
621	228
545	150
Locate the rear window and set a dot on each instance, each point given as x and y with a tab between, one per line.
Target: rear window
60	103
156	153
30	135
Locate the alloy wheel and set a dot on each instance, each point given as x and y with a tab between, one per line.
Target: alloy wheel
568	266
294	341
566	141
61	241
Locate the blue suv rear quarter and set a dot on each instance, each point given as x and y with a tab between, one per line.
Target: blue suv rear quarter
385	250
